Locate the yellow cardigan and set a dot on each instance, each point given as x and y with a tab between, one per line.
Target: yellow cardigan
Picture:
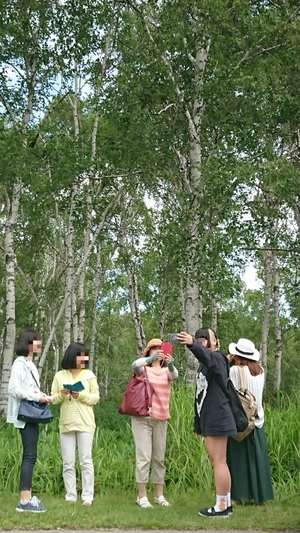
76	415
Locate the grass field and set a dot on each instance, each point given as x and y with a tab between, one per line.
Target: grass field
189	476
119	511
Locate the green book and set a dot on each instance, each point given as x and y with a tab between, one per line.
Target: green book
76	387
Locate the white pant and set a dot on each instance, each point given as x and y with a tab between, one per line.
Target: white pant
84	441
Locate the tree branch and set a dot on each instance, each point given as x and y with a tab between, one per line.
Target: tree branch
46	116
9	111
165	109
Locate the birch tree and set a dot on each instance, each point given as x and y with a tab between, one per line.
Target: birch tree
24	61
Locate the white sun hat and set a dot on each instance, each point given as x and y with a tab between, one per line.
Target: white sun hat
244	348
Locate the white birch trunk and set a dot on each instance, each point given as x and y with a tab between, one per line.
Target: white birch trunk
9	345
182	302
69	274
135	308
296	209
81	281
74	313
266	322
195	185
97	286
80	314
53	276
55	347
133	296
87	232
200	308
278	331
192	324
214	311
107	211
2	345
163	297
192	288
55	343
69	314
12	212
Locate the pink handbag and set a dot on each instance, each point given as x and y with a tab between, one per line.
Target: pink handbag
137	399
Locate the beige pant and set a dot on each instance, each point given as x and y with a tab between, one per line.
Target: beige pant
150	437
69	442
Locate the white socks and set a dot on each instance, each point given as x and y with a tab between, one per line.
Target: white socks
221	503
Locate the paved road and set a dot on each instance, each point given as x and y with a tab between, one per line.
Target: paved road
140	531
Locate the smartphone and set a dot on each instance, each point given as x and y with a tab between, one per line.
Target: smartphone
167	348
172	337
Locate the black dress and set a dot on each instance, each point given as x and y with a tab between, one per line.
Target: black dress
213	415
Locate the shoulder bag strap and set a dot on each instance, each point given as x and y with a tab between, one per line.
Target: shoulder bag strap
146	374
35	380
242	376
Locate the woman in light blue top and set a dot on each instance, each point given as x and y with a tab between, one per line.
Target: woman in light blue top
24	385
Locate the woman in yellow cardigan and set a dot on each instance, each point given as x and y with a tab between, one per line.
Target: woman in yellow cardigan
77	420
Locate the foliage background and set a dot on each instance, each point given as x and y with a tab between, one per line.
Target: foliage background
187	463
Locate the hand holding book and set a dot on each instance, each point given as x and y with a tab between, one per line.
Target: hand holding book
76	387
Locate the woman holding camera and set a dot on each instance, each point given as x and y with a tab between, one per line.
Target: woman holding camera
150	432
214	419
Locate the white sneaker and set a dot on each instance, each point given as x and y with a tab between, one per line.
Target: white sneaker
143	502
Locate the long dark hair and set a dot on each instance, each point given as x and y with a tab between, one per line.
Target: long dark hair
206	333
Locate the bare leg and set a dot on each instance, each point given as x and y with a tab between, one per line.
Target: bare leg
216	447
158	490
25	496
142	490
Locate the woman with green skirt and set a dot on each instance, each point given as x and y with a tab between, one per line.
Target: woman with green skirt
248	460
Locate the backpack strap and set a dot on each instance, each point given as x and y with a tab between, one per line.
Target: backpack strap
242	376
225	390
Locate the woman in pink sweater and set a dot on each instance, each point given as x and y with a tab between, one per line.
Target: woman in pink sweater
150	432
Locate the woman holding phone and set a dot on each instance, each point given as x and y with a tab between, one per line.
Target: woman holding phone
150	432
214	419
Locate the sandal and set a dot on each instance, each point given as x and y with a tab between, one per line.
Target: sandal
161	500
143	502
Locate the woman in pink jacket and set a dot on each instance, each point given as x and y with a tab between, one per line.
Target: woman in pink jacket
150	432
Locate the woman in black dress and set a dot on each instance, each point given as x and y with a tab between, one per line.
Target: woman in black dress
213	418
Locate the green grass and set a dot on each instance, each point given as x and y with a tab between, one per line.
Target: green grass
118	510
189	475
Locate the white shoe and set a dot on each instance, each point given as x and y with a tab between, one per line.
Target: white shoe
161	500
143	502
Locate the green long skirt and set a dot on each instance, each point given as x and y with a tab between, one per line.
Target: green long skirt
249	466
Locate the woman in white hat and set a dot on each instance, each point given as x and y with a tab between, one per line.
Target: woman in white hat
150	432
248	460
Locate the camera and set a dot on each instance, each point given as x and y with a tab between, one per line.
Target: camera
172	337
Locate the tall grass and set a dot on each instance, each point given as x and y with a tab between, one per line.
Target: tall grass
187	463
283	437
